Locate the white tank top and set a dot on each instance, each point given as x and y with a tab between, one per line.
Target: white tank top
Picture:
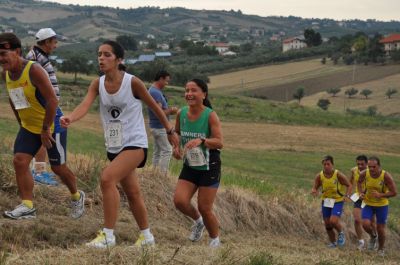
121	114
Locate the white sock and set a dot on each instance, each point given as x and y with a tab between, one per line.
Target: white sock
216	238
146	233
109	232
200	220
361	241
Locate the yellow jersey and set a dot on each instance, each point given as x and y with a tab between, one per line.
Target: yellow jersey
375	184
331	187
356	177
27	100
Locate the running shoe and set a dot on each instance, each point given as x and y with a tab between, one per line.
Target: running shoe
197	232
361	244
341	239
381	252
45	178
101	241
78	207
142	242
21	212
372	244
331	245
214	242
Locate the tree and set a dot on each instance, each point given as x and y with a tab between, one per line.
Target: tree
333	91
246	47
351	92
184	44
335	57
323	103
299	94
375	48
366	92
372	110
152	44
312	38
323	60
76	64
390	92
395	55
128	42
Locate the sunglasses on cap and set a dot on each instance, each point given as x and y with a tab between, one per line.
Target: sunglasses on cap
9	46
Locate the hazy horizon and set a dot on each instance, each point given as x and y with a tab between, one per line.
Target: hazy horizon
384	10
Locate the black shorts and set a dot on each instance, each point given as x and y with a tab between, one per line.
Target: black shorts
204	178
27	142
112	156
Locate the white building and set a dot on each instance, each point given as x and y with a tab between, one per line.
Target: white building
295	43
391	42
221	47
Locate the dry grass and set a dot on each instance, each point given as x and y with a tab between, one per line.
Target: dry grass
280	229
26	15
271	75
248	136
377	98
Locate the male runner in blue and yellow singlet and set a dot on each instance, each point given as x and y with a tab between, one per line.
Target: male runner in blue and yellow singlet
34	103
333	184
378	188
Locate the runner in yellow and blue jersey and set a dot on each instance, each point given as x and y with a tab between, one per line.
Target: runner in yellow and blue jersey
333	184
361	162
34	103
379	186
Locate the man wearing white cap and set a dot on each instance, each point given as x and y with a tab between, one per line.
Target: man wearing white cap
46	43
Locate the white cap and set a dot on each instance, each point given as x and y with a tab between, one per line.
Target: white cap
44	34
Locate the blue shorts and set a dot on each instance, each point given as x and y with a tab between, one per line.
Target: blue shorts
381	213
336	210
357	204
30	143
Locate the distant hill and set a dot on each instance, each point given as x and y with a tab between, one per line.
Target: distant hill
86	23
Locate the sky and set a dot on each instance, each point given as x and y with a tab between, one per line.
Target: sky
384	10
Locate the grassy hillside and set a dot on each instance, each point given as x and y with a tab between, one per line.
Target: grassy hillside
260	225
92	22
377	99
279	82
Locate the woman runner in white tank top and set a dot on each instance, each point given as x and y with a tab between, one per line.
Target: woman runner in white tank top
125	136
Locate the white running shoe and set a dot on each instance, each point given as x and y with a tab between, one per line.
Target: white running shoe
101	241
21	212
142	242
361	244
197	232
78	207
214	242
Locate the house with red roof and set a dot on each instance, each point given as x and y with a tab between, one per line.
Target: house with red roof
294	43
391	42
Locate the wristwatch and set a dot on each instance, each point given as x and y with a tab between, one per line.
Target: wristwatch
203	140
